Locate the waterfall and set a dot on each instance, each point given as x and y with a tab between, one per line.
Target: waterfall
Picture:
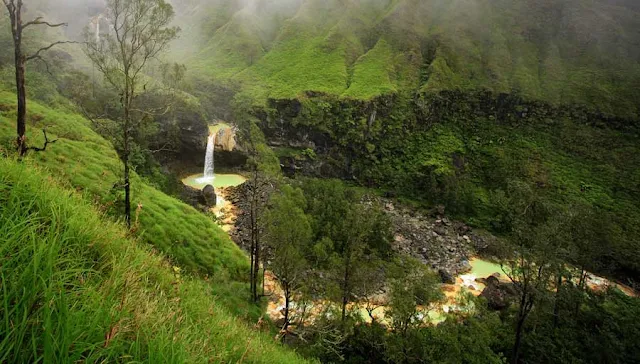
208	162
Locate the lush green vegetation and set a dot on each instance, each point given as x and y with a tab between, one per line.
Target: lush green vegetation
75	287
465	151
568	52
516	117
89	163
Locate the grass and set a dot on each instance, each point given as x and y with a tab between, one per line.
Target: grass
75	287
89	164
372	73
562	53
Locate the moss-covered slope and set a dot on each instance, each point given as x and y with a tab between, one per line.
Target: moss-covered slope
562	52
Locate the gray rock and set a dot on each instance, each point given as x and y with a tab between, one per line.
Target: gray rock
446	277
499	295
209	193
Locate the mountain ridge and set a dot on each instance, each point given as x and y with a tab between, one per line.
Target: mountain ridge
584	54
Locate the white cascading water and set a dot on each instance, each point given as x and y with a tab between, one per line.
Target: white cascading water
208	162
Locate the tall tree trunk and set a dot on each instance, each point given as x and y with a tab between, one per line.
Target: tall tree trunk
20	66
256	269
287	301
127	150
345	287
522	315
518	342
22	101
255	233
254	241
556	303
127	190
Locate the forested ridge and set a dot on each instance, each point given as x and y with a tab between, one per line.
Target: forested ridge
385	181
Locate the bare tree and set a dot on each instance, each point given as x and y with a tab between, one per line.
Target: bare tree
140	31
530	274
15	8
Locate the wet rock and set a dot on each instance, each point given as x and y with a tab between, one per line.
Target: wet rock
193	197
446	277
209	194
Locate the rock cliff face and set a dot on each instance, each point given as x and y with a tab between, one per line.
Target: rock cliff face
226	139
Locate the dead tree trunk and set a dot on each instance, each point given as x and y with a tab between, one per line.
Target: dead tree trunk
14	8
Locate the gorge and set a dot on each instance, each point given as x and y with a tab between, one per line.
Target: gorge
334	181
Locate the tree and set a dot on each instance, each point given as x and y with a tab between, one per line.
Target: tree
139	32
14	8
530	276
364	230
287	233
264	168
412	292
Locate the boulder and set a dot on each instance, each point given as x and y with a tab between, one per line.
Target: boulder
446	277
499	295
192	196
209	193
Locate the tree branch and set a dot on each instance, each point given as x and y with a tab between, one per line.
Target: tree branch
46	64
46	143
39	21
44	49
164	148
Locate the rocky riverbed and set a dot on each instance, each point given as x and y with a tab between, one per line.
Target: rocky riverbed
441	243
435	240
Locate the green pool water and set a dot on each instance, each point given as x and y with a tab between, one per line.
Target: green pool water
220	180
482	268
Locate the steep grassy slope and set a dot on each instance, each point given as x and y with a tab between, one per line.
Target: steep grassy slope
90	164
76	288
562	52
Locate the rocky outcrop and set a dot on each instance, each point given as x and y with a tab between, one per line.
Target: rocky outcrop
499	295
438	242
226	139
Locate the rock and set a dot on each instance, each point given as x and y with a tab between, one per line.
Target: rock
440	230
193	197
209	193
463	229
499	295
465	266
226	139
446	277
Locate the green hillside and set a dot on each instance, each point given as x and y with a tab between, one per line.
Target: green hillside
561	52
76	288
88	163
